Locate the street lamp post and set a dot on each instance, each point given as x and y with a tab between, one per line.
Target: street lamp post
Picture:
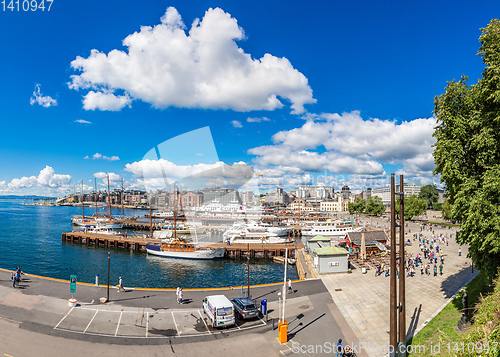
109	267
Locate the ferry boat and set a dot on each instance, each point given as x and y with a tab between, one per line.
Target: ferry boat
181	247
333	228
103	230
256	233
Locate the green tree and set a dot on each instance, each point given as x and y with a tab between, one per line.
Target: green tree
430	194
414	206
358	206
467	153
375	206
446	210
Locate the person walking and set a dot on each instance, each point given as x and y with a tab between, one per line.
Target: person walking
441	269
435	270
120	284
339	348
180	296
13	278
290	290
177	294
459	252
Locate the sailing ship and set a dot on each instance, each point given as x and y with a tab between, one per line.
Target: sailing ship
183	247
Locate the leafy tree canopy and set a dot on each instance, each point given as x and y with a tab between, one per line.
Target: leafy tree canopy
429	193
414	206
375	206
467	153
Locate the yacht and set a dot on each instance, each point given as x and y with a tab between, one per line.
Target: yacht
333	228
256	233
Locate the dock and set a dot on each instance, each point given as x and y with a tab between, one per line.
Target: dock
139	244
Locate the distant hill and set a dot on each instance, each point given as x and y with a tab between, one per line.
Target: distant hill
34	197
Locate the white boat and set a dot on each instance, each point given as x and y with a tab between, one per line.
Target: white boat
92	221
256	233
328	229
184	249
103	230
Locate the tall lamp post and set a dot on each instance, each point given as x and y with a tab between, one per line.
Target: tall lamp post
109	267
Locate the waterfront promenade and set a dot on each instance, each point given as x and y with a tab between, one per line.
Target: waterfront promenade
363	299
150	322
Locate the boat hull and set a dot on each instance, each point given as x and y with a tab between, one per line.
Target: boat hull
201	254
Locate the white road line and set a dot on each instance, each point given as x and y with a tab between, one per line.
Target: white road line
147	323
173	318
69	312
235	324
96	311
265	323
202	319
119	320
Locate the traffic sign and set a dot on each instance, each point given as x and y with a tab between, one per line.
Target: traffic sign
72	284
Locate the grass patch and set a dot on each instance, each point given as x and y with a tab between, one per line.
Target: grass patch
441	329
442	223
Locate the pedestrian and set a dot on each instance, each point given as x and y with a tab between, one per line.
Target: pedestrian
177	294
120	284
18	274
421	269
180	296
13	278
459	252
441	269
435	270
339	348
290	290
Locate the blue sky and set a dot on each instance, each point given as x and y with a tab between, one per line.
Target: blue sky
326	91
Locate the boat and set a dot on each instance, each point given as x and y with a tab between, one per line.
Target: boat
95	221
256	233
328	229
103	230
183	247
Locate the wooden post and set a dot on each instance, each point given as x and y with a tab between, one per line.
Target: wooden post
393	326
402	302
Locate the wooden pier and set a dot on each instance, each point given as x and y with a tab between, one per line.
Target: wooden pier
139	244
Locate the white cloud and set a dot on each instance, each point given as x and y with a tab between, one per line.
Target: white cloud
104	176
204	68
236	124
45	179
105	101
347	144
81	121
98	156
257	120
38	98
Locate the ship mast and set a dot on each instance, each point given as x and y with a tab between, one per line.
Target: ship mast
175	212
83	214
95	197
109	201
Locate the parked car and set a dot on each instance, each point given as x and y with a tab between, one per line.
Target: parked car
219	310
245	308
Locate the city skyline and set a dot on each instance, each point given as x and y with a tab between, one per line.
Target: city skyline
325	93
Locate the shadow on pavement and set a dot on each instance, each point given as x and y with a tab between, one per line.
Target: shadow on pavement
294	333
454	282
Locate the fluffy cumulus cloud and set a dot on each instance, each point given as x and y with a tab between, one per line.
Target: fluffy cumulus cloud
347	144
203	68
104	176
38	98
46	179
98	156
155	174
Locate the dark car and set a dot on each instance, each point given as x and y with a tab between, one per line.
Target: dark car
245	308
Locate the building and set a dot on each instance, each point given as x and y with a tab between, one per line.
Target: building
319	192
318	242
331	260
345	193
334	205
222	195
191	199
385	192
279	196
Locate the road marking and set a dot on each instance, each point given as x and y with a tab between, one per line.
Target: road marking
119	320
202	319
5	354
69	312
96	311
265	323
235	324
173	318
147	323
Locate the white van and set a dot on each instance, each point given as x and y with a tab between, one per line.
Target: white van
219	310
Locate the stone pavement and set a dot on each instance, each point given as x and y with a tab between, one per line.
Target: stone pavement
363	299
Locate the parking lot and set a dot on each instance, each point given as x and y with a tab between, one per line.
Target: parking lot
145	323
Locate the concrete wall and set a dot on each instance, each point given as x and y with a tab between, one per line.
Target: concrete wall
325	264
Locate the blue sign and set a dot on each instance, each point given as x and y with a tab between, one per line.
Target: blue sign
72	284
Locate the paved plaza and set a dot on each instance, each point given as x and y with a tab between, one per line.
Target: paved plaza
363	299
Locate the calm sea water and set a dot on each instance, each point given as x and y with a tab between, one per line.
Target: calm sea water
30	236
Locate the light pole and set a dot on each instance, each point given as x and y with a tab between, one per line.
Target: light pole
248	271
109	267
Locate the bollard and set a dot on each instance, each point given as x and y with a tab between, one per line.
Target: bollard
97	280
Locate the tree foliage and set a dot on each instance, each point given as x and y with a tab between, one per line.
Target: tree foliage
430	194
467	153
358	206
414	206
375	206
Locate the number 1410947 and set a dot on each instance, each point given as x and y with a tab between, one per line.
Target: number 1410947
26	5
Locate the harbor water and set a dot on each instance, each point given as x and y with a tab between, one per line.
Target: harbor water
30	237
